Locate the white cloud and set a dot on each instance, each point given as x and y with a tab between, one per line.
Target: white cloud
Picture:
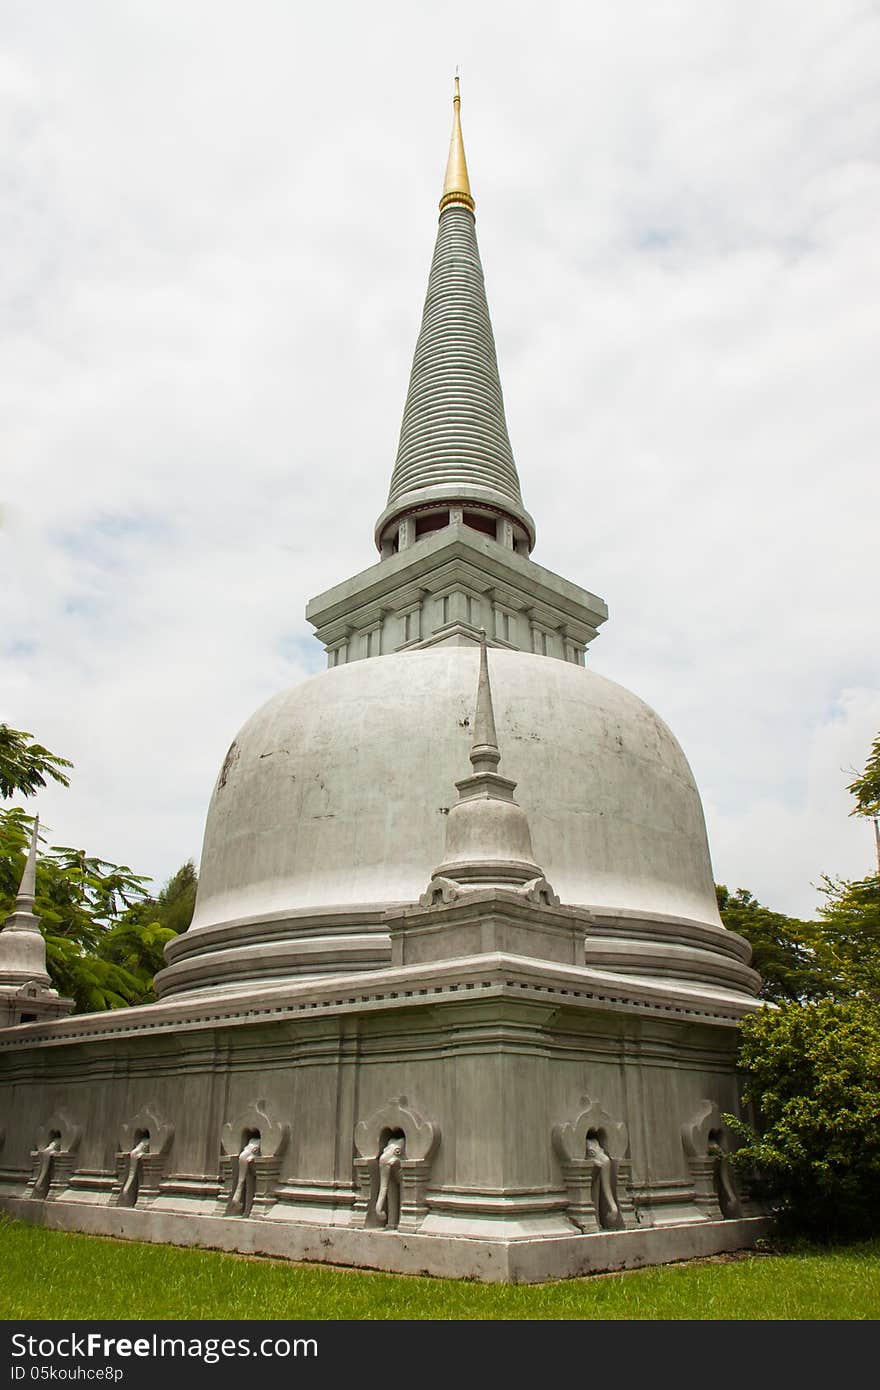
781	849
215	231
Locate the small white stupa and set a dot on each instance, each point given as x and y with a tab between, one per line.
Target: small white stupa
25	989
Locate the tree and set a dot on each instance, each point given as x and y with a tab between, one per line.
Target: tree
866	790
785	951
176	902
850	935
813	1072
104	934
80	900
137	941
812	1065
24	765
138	950
74	895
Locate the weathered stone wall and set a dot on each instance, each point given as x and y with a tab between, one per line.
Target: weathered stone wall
492	1075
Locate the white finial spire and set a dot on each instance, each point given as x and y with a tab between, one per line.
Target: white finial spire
485	754
488	843
27	891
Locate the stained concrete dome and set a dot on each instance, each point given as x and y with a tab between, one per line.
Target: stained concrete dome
332	801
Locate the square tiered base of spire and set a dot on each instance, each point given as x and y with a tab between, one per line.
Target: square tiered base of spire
447	587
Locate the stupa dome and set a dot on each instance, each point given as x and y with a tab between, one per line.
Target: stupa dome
332	801
336	791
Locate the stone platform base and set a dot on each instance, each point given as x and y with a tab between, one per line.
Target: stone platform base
525	1261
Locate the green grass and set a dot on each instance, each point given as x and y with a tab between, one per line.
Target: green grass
52	1274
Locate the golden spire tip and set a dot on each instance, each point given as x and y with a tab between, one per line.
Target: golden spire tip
456	186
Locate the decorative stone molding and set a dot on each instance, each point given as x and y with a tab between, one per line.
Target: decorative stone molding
253	1145
324	996
395	1155
54	1157
592	1151
705	1139
440	892
142	1158
539	891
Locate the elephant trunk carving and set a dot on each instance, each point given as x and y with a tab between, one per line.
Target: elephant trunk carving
728	1200
389	1171
243	1193
608	1212
129	1194
46	1157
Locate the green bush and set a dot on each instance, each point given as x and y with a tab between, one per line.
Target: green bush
813	1073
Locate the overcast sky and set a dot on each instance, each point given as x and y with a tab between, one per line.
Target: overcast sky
216	223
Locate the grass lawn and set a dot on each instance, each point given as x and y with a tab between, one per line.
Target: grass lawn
52	1274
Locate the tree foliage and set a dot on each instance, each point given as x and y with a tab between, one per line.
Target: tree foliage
866	789
813	1072
137	941
105	935
850	935
786	952
25	765
812	1065
836	957
176	902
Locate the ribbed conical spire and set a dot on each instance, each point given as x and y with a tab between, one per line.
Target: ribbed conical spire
454	444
